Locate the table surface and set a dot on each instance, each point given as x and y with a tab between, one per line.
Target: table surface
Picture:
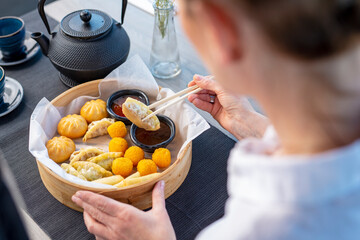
201	198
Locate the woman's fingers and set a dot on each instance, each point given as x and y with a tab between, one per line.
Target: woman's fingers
94	212
99	238
94	227
205	97
206	83
192	83
158	198
102	203
159	212
204	91
106	218
201	104
209	86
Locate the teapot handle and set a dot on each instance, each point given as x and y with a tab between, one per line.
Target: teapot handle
123	9
41	10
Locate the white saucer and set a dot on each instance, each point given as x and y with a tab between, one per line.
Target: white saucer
13	95
32	48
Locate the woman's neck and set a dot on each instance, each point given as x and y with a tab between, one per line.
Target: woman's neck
314	107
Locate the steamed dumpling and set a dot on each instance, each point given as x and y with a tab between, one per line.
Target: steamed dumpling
70	170
98	128
60	148
94	110
72	126
85	153
105	160
91	171
135	111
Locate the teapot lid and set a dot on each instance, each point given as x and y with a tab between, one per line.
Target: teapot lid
86	24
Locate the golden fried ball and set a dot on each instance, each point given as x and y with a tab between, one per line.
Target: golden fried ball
94	110
162	157
135	154
117	129
122	166
118	144
146	167
60	148
72	126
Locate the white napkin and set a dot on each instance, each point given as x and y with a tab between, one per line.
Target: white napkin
133	74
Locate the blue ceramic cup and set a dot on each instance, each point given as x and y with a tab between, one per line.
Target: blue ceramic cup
12	37
2	84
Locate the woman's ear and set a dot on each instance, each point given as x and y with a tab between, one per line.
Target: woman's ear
222	32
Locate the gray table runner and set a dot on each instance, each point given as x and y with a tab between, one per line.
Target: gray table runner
197	203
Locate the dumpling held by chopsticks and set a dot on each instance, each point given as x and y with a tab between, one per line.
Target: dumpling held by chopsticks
136	111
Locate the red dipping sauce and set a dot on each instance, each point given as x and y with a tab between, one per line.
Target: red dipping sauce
117	104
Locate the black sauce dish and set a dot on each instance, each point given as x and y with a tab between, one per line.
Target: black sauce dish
150	148
123	94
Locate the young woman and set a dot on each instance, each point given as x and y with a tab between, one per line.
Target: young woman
301	179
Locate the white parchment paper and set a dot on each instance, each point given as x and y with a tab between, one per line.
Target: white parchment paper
133	74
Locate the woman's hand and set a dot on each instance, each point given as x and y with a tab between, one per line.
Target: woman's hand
109	219
235	114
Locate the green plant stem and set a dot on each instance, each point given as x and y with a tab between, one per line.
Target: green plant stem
163	15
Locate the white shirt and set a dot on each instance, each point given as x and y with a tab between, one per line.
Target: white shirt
290	197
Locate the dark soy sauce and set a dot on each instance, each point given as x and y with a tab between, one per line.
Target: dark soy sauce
153	137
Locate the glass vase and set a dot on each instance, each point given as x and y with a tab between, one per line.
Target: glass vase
164	58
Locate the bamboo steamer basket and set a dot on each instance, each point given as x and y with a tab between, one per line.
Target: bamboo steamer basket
138	195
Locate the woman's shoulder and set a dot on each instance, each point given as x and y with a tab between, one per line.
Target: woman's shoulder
254	172
267	145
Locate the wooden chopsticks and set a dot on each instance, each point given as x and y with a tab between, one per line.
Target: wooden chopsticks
188	91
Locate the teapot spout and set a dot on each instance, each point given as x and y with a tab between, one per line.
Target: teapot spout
42	40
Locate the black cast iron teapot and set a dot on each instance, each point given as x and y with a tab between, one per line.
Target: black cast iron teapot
87	44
